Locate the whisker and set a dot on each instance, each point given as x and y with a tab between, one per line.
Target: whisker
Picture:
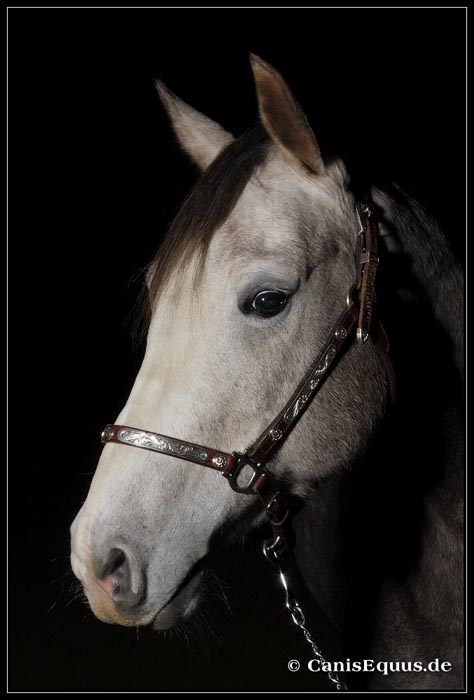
60	556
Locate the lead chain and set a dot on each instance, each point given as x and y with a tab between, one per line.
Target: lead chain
298	619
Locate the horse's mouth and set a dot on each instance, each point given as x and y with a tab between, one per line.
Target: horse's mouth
183	600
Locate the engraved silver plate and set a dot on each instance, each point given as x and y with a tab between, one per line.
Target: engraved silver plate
157	443
309	389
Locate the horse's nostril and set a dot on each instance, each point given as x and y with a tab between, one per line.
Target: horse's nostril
122	580
115	560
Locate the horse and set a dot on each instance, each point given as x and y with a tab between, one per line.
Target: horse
241	296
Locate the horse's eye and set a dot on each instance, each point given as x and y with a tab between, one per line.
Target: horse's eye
269	302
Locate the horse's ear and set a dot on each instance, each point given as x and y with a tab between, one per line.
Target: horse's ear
284	119
200	137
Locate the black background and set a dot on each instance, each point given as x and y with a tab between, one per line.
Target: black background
94	180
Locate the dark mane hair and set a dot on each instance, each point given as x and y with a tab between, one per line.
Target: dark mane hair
207	205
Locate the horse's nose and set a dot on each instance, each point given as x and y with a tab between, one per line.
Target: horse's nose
121	576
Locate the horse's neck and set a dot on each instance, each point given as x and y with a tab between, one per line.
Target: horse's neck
319	547
406	501
424	265
400	518
436	367
426	312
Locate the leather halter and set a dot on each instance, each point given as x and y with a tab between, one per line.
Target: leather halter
245	471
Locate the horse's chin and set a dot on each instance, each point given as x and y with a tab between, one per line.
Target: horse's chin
181	605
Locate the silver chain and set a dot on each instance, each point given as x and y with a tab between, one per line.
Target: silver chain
298	618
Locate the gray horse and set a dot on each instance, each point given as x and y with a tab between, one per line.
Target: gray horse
242	293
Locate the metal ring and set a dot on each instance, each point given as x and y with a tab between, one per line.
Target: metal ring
270	505
242	461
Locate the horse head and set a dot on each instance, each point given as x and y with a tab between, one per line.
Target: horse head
243	291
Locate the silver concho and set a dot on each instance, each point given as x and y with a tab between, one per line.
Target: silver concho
140	438
275	434
107	433
219	461
311	385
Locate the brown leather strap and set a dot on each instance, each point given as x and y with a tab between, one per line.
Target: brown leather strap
278	430
368	261
189	451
